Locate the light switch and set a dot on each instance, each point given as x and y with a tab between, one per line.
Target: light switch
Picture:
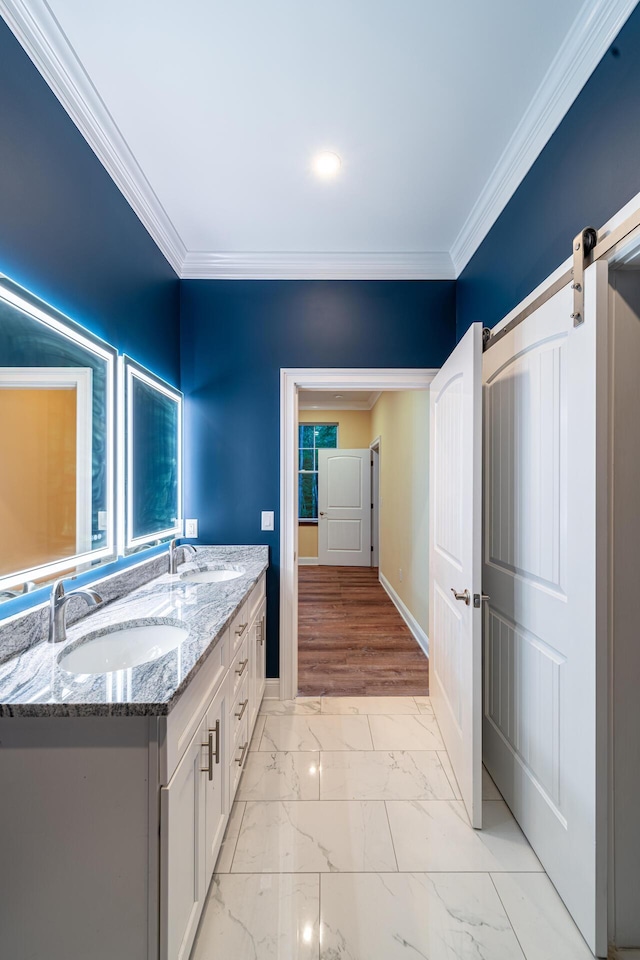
268	520
191	528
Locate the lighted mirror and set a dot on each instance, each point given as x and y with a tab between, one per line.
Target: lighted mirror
57	387
152	468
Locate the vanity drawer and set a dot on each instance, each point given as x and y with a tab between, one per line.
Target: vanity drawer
238	628
183	720
238	757
238	671
256	597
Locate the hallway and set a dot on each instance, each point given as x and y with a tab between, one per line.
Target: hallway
351	639
348	841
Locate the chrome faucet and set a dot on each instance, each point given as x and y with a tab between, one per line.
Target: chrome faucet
58	606
174	546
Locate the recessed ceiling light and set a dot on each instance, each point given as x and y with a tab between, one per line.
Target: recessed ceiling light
326	164
338	396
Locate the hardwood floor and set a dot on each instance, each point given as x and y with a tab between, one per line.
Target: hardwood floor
351	639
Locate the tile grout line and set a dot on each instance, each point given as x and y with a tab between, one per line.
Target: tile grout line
506	912
235	846
393	846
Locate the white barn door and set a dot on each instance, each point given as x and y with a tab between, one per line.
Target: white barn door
344	507
539	568
455	532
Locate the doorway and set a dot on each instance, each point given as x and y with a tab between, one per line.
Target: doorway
299	565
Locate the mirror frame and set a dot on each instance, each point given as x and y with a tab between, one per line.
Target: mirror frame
128	370
20	298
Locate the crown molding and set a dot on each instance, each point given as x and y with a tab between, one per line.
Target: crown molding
344	404
591	33
43	39
318	266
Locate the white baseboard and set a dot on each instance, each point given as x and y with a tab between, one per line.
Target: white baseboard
406	615
272	689
308	561
624	954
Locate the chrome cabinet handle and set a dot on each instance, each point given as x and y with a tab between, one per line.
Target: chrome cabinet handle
260	632
209	746
243	667
243	706
243	752
462	596
241	629
216	730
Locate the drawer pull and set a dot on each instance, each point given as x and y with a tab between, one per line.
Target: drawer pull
243	707
216	730
243	753
243	667
241	629
260	632
209	746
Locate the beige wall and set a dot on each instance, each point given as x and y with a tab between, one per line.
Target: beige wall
401	420
354	432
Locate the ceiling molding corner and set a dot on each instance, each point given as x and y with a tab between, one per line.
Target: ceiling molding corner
318	266
591	33
41	36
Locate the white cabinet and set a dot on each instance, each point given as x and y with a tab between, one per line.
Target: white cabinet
183	851
196	801
216	780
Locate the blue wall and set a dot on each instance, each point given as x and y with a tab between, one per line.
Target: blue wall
589	169
236	335
66	231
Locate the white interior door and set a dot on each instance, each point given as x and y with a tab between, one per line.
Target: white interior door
344	507
455	622
540	571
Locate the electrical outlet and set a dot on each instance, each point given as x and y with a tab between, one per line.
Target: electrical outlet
102	519
191	529
267	520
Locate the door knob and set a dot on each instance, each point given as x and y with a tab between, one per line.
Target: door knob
465	595
322	513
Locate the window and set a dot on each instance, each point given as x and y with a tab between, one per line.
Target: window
311	437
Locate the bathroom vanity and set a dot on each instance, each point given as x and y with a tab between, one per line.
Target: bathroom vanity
117	785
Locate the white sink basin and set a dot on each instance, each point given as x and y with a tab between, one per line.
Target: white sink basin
212	576
126	646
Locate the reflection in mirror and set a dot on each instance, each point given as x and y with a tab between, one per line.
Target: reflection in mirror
56	474
153	461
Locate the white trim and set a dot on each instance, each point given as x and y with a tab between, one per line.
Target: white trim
594	29
406	615
308	561
48	47
292	380
317	266
271	689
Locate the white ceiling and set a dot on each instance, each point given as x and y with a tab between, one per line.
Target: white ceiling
342	400
207	114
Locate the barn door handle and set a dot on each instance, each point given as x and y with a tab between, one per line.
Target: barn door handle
462	596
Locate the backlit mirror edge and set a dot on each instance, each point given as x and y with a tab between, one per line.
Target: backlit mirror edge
128	369
116	555
22	299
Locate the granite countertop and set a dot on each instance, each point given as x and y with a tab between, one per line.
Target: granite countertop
33	684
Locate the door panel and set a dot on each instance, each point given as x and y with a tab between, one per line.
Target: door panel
540	572
344	507
455	641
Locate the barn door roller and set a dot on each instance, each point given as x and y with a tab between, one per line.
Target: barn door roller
583	244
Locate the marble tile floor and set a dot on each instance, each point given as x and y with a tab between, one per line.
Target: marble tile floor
348	840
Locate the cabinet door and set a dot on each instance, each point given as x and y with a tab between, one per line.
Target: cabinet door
182	848
260	647
215	779
252	689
